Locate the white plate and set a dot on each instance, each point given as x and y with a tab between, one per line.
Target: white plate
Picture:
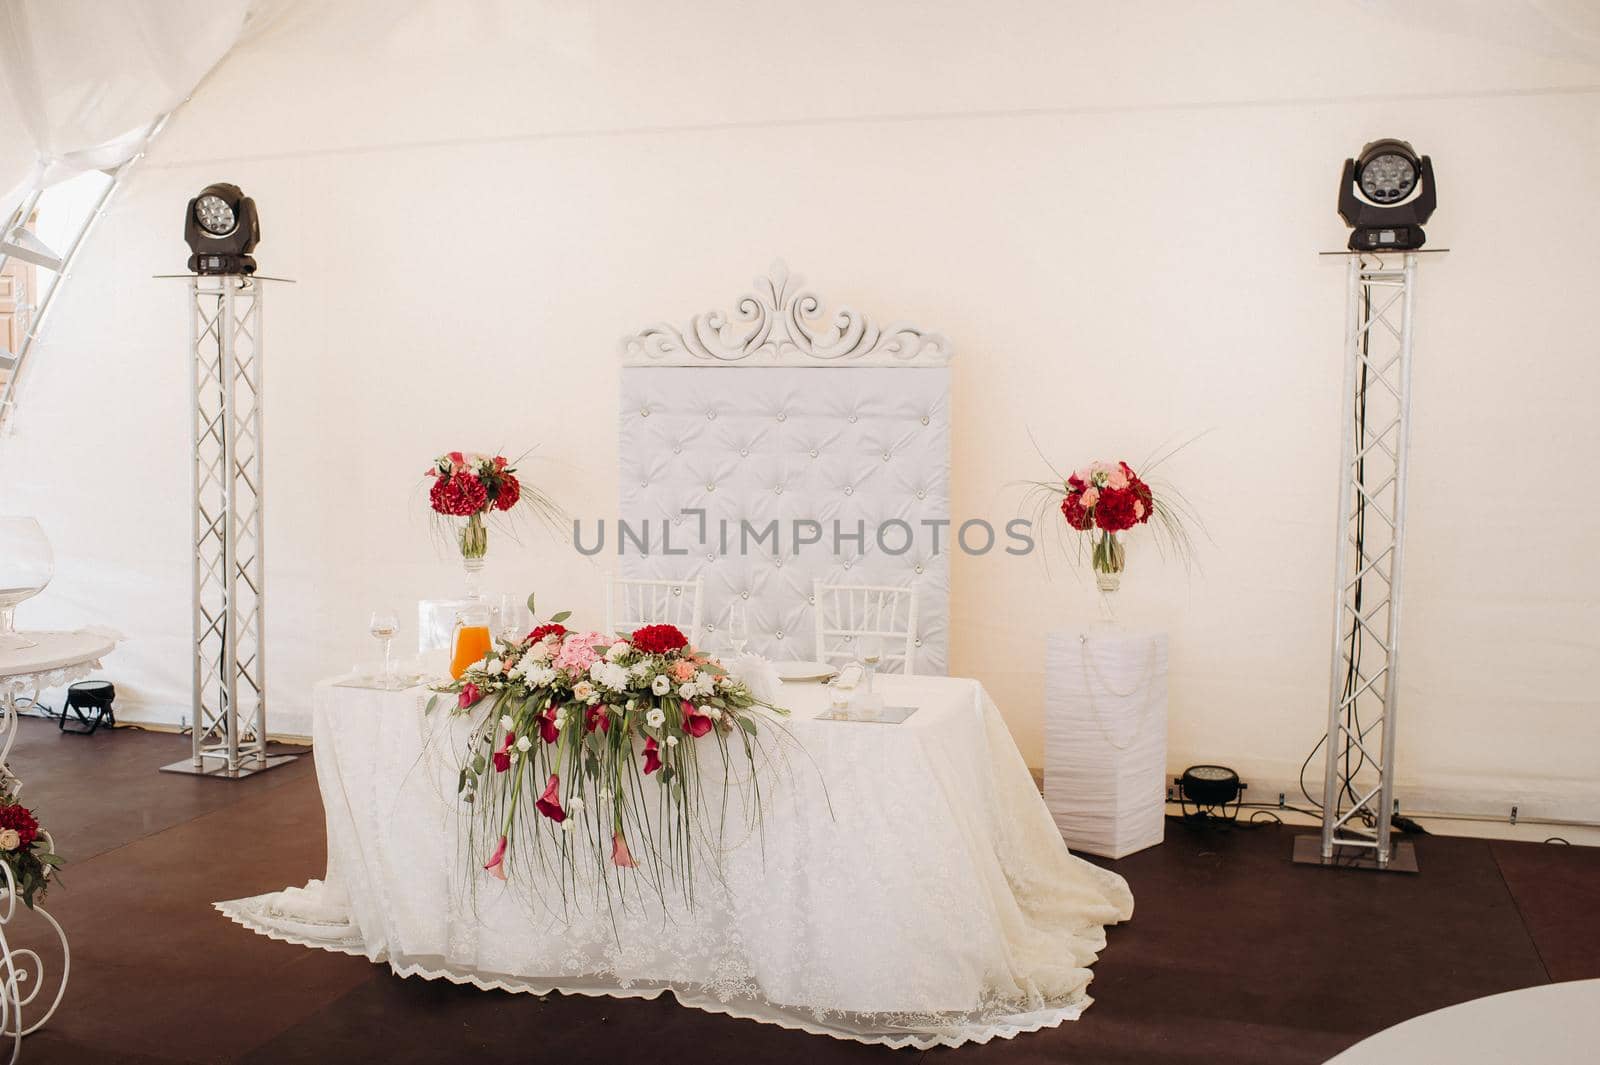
805	671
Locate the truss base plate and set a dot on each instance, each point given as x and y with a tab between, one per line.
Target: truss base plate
216	767
1402	856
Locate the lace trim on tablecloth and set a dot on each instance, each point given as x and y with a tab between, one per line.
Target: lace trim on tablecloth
735	996
33	683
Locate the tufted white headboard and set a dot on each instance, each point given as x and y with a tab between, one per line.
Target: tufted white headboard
768	421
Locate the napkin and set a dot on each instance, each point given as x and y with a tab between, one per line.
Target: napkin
757	674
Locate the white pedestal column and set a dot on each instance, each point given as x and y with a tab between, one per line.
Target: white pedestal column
1105	767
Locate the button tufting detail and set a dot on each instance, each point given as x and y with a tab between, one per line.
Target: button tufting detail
782	417
711	415
710	487
849	491
644	412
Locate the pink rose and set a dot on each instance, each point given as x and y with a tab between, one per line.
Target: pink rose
1117	478
1090	498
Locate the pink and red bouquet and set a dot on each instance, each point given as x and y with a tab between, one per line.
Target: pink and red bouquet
26	851
469	485
1107	496
615	739
1102	501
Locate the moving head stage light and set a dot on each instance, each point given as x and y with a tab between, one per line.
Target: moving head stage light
1385	195
222	229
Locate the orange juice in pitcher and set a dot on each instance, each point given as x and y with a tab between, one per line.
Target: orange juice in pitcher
472	641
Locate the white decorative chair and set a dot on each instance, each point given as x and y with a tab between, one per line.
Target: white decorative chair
845	613
632	603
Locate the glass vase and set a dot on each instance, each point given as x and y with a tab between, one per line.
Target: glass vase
474	546
26	566
1109	558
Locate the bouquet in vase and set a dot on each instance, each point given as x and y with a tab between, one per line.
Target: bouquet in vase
473	486
596	751
1105	500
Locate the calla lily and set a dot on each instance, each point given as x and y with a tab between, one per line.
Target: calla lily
496	863
619	852
595	717
652	756
549	803
502	757
694	722
469	695
547	726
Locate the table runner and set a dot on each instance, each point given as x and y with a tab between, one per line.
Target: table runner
908	886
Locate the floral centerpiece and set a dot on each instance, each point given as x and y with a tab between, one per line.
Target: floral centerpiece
473	486
589	751
26	850
1104	500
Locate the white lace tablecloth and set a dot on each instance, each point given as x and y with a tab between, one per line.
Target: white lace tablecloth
910	887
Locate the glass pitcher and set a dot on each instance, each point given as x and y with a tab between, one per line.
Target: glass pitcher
471	642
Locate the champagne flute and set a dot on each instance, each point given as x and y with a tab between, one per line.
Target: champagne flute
384	626
738	626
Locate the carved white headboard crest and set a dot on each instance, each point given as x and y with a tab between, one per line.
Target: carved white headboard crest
761	482
781	324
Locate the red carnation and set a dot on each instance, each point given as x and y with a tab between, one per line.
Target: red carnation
1072	510
1115	510
510	491
552	629
459	496
659	639
21	819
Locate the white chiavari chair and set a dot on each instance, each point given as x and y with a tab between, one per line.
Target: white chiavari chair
633	603
846	613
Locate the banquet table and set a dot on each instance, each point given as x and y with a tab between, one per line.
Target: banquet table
905	886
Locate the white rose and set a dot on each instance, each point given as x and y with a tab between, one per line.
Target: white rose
583	690
10	839
524	744
654	717
672	741
574	805
617	650
506	722
539	652
639	669
712	712
688	690
661	685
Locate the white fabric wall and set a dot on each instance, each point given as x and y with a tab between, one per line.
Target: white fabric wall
1112	211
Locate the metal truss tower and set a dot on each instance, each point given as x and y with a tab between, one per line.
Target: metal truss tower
1363	703
225	379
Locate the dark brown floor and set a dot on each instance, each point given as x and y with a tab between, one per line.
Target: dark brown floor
1233	955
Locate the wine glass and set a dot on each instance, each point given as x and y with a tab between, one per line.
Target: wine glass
384	626
26	566
871	655
515	620
738	626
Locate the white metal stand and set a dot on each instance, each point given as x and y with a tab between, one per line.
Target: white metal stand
1359	745
230	674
